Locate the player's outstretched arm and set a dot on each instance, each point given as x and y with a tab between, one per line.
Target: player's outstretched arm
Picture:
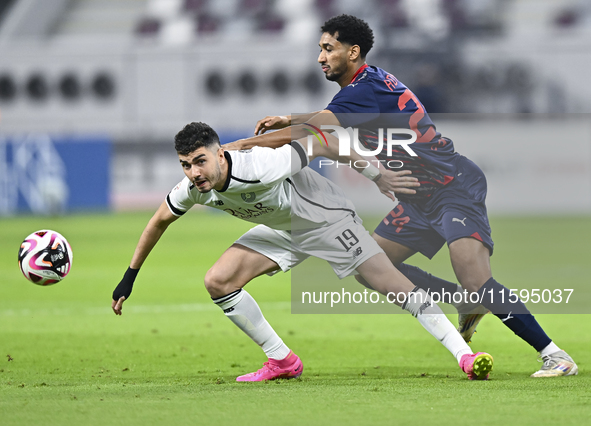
297	130
388	182
152	233
274	122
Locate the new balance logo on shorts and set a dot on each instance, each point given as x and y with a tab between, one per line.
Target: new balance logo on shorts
357	252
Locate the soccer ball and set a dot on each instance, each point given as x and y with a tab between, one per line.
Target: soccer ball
45	257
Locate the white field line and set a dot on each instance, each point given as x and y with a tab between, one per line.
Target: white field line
132	309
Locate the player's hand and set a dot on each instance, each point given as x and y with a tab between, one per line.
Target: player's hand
117	305
123	289
397	183
271	123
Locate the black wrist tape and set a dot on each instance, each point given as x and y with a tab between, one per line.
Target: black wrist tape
126	285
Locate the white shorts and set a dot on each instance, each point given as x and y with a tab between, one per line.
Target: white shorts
344	245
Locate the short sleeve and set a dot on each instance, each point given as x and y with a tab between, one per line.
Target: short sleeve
179	200
273	165
355	104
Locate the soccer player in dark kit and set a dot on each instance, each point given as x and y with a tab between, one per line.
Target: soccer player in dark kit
441	201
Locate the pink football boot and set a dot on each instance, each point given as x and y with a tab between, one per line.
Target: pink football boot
288	368
477	366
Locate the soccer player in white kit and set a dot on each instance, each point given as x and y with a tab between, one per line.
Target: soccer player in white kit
298	213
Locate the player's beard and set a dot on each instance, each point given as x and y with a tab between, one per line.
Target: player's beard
335	73
213	179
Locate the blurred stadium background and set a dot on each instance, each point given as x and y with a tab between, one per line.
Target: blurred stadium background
93	91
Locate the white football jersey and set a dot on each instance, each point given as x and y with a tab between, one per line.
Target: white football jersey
271	187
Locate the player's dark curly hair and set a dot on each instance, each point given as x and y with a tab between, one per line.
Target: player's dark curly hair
352	30
195	136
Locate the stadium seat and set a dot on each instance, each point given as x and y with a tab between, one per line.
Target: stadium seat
148	26
195	6
206	23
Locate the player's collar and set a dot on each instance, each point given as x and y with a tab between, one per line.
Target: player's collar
359	71
229	176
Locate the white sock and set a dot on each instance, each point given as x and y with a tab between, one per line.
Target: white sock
243	310
420	305
550	349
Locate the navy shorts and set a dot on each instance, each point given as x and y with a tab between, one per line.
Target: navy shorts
456	211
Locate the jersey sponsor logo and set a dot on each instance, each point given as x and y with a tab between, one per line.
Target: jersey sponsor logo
248	197
248	213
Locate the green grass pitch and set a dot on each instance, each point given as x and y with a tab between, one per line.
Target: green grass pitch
172	358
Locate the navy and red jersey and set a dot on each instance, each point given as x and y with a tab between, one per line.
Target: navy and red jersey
375	100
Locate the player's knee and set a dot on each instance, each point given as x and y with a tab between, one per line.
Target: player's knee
216	282
472	278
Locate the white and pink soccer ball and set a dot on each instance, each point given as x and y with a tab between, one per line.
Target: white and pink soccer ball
45	257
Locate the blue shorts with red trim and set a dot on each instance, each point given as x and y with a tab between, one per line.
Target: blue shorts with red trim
455	211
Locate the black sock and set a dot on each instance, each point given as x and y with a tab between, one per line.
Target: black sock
428	282
516	316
